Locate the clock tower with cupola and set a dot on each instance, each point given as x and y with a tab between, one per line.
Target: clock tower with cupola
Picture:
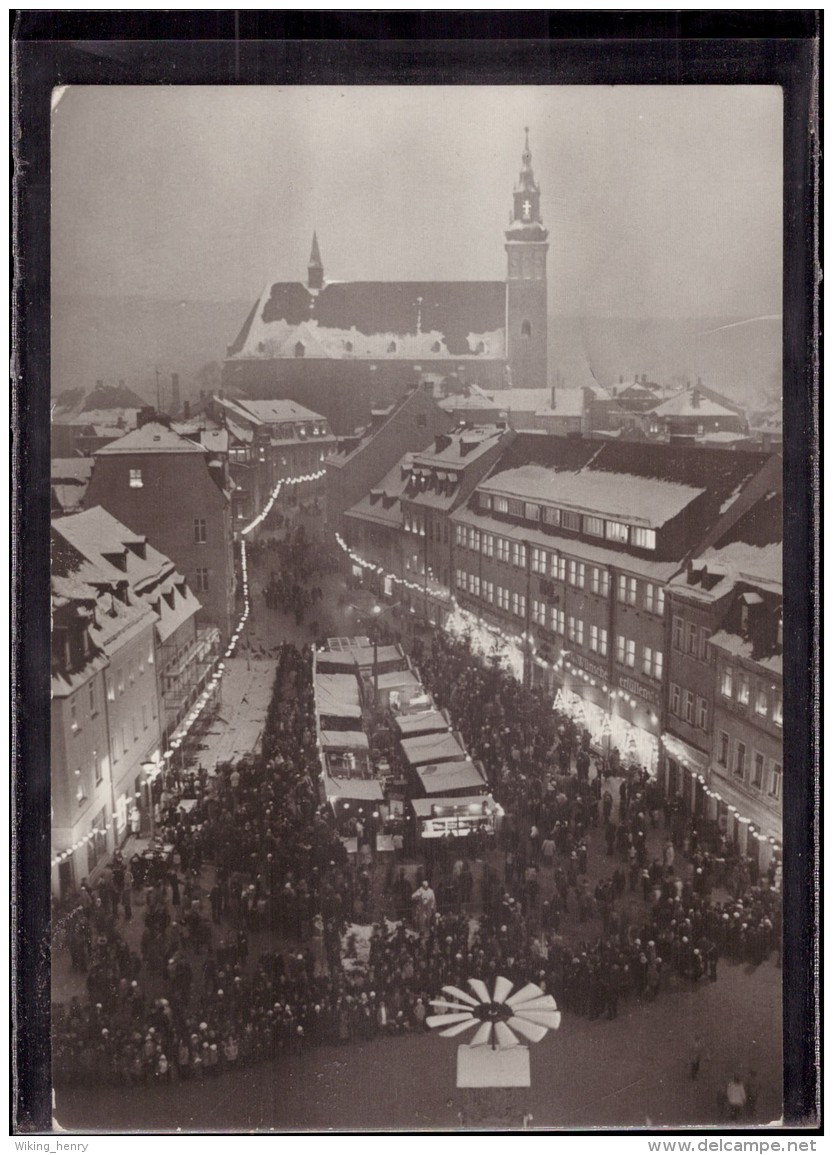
526	289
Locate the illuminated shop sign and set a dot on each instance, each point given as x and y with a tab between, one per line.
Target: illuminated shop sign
640	691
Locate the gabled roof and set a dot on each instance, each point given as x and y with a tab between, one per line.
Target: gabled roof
277	412
151	438
682	405
383	504
377	319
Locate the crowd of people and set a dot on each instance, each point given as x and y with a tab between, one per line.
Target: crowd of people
195	1000
294	561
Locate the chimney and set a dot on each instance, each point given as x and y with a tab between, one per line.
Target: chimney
644	378
700	382
552	398
99	384
695	399
176	403
621	379
441	442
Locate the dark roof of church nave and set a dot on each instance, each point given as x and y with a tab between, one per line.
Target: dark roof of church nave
378	319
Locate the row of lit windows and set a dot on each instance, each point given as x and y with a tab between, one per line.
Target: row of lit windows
504	599
752	770
683	704
737	685
619	532
687	638
120	743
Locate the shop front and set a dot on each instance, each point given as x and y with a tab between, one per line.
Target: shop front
616	719
486	640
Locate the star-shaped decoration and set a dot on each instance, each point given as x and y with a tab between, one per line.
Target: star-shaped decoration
499	1017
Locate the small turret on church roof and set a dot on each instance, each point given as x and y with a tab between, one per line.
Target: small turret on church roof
315	268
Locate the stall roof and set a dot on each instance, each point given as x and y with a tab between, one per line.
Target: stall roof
450	776
337	695
423	722
355	789
344	740
422	806
398	680
432	748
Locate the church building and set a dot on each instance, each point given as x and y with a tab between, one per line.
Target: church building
343	348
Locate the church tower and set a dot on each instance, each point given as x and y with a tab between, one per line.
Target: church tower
526	289
315	269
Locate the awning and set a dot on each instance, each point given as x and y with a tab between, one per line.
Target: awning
433	748
353	789
448	776
423	722
424	807
343	740
337	695
398	680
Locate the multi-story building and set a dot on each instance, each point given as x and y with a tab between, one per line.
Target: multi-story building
362	461
403	524
178	494
185	651
730	596
695	413
562	557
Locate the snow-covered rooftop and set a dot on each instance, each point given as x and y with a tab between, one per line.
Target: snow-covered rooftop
151	438
636	500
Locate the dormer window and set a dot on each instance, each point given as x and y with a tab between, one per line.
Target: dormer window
348	346
392	347
435	348
300	349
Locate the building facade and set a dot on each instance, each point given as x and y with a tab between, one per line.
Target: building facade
343	348
178	494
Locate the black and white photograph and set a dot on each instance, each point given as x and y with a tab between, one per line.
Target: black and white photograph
417	743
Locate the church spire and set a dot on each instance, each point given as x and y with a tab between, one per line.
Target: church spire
526	207
315	269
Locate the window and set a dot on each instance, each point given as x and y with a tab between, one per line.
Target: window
474	584
777	708
91	693
674	698
500	505
519	554
200	536
111	692
570	520
526	329
539	560
654	599
702	714
136	479
626	589
691	639
502	549
727	681
474	539
600	581
626	651
98	768
705	634
201	580
552	516
421	420
757	770
502	598
652	662
300	349
688	707
519	604
575	573
144	717
743	689
603	643
616	531
487	544
120	680
539	612
575	630
532	511
459	533
488	591
558	567
595	526
461	579
557	620
775	774
740	760
723	748
677	633
131	677
73	717
643	538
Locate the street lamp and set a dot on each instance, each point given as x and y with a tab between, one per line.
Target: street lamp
148	768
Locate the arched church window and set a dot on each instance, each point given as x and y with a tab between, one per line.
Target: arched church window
435	348
348	345
300	349
526	329
392	347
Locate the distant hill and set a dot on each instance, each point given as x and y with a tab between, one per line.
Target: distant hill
127	339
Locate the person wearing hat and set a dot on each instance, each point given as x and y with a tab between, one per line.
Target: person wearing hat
425	902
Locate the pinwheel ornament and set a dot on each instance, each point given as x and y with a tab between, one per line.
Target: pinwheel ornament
499	1017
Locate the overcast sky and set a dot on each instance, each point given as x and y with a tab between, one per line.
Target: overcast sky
660	201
